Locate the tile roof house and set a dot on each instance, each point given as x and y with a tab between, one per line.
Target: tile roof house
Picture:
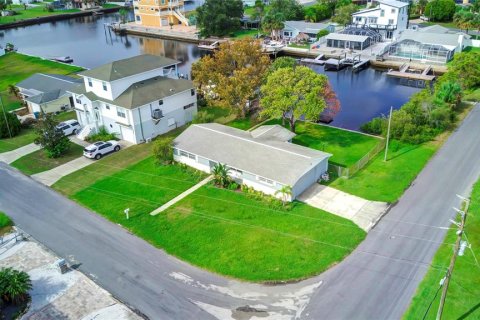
47	92
137	98
262	159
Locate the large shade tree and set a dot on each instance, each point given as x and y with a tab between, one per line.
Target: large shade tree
343	14
291	93
219	17
440	10
279	12
230	78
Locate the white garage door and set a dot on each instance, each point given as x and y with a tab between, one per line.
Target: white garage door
127	134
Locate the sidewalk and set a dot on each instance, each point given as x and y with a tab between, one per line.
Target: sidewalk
71	295
363	213
10	156
181	196
49	177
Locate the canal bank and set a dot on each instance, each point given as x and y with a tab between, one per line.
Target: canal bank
56	17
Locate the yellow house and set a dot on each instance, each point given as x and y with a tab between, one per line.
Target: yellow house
159	13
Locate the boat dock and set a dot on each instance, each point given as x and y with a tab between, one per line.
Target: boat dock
412	74
317	60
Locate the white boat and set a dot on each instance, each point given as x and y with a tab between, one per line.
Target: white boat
272	46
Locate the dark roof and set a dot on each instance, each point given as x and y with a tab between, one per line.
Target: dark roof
128	67
46	97
48	82
142	92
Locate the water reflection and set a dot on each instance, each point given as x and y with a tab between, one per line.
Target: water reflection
363	95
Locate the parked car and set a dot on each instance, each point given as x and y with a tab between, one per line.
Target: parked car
101	148
69	127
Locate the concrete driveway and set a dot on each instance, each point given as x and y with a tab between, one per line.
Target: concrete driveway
11	156
363	213
51	176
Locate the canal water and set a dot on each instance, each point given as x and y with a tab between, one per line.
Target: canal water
362	95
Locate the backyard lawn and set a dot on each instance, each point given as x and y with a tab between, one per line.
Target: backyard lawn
464	290
246	33
38	161
386	181
346	147
220	230
17	67
32	12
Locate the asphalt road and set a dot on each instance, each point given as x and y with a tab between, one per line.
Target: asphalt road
377	281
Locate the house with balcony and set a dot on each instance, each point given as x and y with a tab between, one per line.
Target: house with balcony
389	18
159	13
136	99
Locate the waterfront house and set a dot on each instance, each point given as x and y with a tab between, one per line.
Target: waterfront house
389	18
46	93
263	159
159	13
433	44
137	98
293	29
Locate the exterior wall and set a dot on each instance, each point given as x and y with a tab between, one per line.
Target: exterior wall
52	106
157	13
309	178
172	108
115	88
385	15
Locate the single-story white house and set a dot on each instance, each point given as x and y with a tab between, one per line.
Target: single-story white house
136	99
293	28
46	93
263	159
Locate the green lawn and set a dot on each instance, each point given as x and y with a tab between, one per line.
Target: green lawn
249	33
299	46
110	5
473	95
25	137
469	49
464	290
346	147
32	12
5	223
386	181
38	161
17	67
67	115
219	230
449	24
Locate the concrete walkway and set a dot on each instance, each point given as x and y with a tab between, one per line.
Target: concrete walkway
181	196
51	176
11	156
363	213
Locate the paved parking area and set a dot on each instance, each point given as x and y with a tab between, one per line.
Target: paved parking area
363	213
60	296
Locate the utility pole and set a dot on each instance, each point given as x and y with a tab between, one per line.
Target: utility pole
446	280
5	116
388	134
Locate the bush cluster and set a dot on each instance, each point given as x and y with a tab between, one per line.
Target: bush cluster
102	135
9	123
270	201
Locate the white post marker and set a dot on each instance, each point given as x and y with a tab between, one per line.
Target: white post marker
126	213
388	134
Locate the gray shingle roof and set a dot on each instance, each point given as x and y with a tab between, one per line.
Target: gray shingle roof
306	27
142	92
46	97
48	82
270	158
128	67
272	132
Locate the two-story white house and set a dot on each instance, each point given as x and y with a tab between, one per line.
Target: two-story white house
389	18
137	98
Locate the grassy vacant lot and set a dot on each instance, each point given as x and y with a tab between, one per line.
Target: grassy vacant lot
346	147
220	230
386	181
464	290
27	136
38	161
32	12
17	67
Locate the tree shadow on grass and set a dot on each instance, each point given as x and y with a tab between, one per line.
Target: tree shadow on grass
407	150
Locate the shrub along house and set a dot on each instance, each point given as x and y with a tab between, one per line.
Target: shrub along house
137	98
263	159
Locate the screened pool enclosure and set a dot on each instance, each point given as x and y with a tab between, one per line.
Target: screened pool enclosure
414	50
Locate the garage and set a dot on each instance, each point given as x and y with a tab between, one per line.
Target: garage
127	134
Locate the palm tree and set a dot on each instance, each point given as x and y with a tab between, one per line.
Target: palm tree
286	192
13	90
220	175
14	285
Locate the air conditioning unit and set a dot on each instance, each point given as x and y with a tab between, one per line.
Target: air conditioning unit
157	114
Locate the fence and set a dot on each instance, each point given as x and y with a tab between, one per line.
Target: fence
347	172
